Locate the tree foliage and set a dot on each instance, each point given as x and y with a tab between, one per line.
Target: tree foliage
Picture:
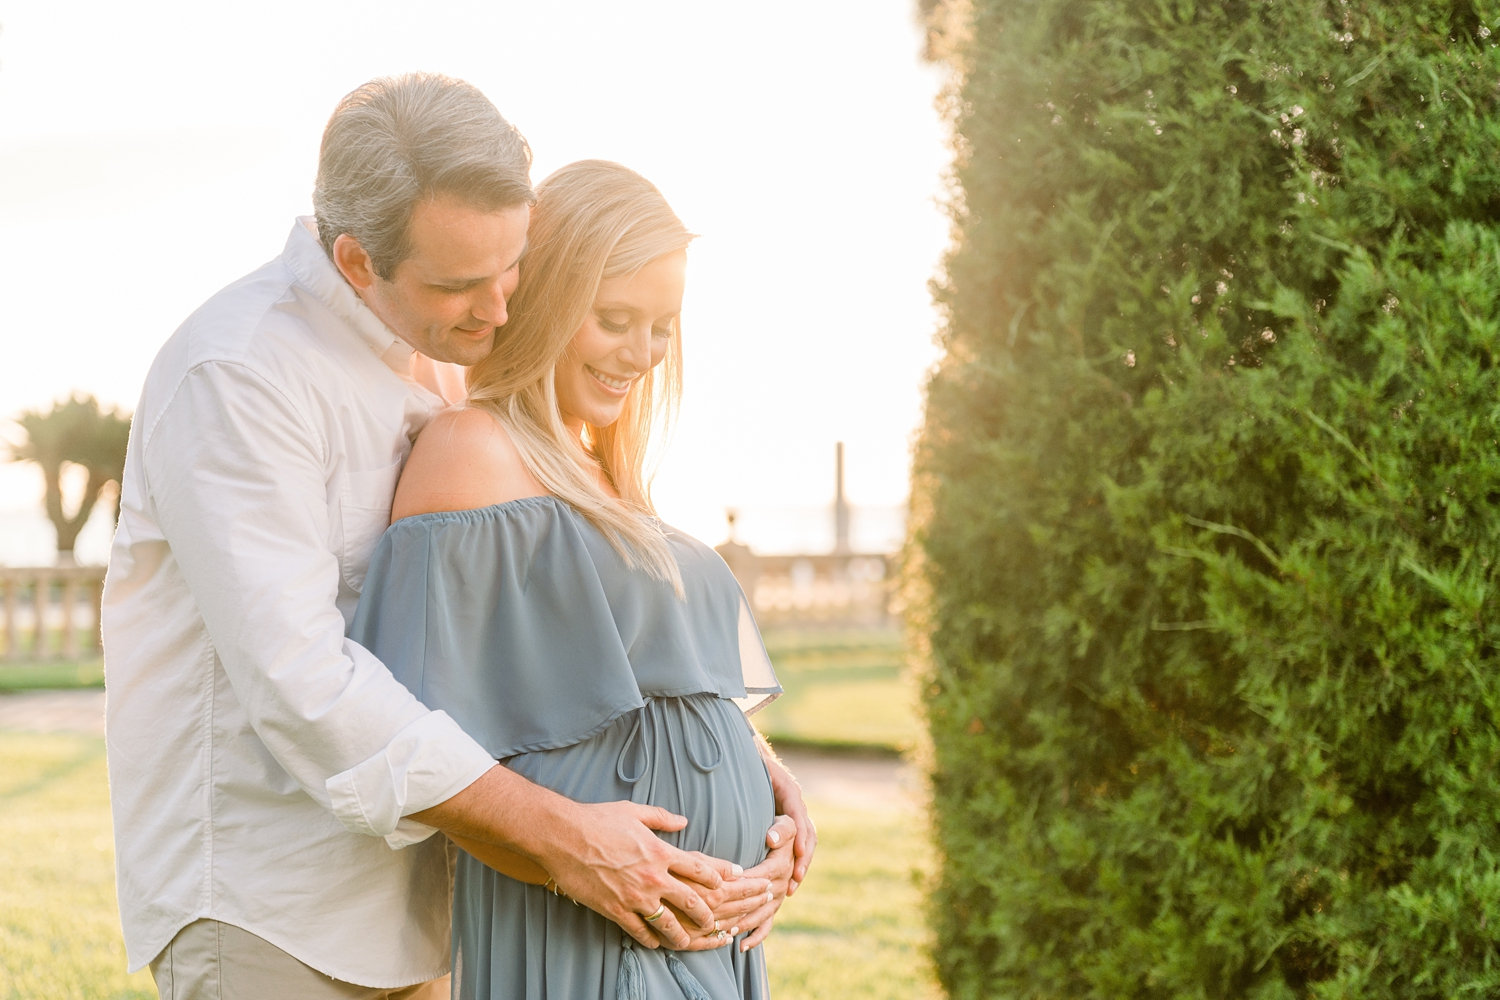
1207	504
74	432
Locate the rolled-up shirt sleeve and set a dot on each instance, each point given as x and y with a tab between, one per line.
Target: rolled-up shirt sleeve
240	478
373	795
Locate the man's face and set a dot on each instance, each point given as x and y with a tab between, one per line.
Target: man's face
448	296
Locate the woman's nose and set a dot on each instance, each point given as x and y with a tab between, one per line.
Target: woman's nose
636	351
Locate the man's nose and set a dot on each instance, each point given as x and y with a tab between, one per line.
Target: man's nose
488	303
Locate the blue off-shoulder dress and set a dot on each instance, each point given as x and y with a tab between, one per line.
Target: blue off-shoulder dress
593	679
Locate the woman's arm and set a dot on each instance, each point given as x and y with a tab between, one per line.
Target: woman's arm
789	802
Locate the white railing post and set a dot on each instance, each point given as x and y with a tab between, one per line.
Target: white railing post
26	605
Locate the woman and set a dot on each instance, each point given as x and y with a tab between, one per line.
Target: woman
527	589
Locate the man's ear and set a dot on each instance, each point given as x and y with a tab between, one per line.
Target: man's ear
353	263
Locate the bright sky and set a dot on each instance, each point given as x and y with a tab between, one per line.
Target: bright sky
151	153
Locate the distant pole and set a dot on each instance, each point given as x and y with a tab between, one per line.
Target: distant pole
840	503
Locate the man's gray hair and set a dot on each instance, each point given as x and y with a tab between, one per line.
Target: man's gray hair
398	140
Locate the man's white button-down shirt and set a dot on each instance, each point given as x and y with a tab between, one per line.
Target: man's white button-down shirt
260	763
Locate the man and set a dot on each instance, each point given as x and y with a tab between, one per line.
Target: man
262	767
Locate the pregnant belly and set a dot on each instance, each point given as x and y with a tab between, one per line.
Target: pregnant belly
693	755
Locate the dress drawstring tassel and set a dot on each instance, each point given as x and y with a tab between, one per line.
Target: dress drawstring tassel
686	981
630	984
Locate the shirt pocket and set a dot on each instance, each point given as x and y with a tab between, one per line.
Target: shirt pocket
364	514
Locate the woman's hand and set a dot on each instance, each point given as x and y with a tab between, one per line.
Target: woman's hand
777	868
746	903
739	895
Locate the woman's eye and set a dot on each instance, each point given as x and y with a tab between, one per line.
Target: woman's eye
661	333
613	326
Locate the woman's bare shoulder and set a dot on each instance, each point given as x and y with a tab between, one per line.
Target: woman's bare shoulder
463	459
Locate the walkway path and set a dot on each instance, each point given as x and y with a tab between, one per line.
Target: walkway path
855	781
53	711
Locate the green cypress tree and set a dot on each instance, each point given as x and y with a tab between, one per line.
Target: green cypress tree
1207	503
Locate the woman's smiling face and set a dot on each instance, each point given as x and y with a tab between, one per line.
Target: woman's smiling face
626	334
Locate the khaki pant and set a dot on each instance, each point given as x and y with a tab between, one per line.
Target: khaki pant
209	960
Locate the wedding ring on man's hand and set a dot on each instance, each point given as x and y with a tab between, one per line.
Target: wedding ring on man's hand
657	915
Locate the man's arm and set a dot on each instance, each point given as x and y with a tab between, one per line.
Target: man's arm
605	855
742	898
238	478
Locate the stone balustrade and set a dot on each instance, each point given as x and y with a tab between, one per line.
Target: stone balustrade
843	589
49	612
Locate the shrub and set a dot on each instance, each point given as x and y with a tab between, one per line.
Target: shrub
1207	503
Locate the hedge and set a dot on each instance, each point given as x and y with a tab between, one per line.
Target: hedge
1207	502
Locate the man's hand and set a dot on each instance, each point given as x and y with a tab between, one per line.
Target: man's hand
618	867
604	855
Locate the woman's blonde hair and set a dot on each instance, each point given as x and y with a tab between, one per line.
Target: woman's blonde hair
593	220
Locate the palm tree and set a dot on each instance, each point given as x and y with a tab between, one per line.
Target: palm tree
75	432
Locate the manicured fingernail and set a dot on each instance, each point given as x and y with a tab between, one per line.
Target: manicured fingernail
775	837
737	870
770	896
734	932
791	887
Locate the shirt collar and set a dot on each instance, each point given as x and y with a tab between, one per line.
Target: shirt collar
305	255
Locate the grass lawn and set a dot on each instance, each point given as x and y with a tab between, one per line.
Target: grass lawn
32	675
855	930
842	688
59	934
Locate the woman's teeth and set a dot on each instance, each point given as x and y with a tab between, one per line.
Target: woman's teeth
610	380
